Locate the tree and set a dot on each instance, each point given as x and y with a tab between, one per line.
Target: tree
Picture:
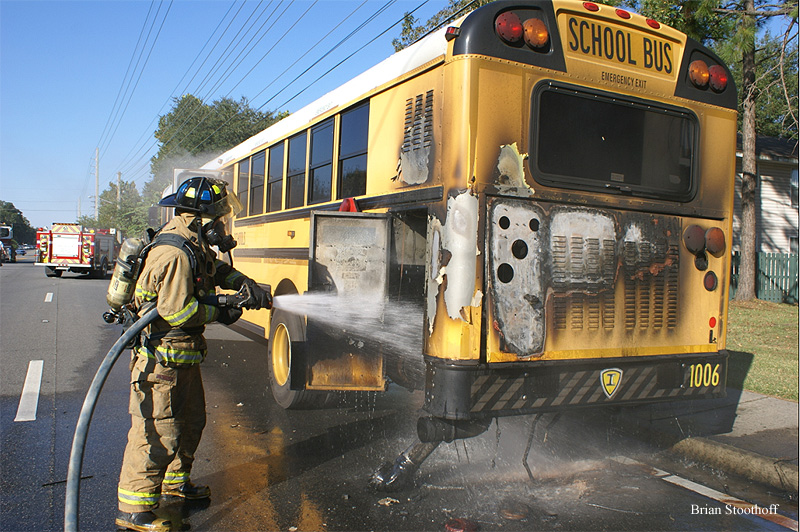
748	15
126	212
190	135
193	133
10	215
776	86
412	30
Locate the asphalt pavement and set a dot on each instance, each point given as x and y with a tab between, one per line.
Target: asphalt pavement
746	434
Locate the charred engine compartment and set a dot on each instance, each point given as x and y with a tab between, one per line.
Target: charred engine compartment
555	270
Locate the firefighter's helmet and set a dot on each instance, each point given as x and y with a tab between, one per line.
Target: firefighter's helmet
204	195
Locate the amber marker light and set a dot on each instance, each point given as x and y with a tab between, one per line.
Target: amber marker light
698	73
718	78
715	241
536	34
508	27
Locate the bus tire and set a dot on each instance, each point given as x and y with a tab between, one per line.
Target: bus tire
286	342
52	272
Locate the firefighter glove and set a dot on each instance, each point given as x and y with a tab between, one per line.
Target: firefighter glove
229	315
259	297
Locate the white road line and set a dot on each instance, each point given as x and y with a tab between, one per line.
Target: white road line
49	297
29	400
732	504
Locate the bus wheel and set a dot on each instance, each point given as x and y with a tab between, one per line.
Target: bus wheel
286	341
52	272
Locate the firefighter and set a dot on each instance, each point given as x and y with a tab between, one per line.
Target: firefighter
167	403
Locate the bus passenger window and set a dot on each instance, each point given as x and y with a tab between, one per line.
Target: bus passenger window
243	184
321	165
353	152
275	178
296	173
257	184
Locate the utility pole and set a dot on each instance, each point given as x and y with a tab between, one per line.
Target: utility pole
96	182
119	174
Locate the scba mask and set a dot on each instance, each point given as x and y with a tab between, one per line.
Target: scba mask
215	235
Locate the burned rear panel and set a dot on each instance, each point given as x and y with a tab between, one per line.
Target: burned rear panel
556	271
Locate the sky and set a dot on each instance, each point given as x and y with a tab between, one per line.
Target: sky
78	77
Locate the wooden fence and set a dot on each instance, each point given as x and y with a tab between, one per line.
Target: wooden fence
776	279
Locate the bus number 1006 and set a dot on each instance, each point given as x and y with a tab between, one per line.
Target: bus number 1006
703	375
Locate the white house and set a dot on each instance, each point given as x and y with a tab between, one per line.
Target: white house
776	194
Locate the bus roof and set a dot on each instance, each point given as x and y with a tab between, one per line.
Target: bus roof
402	62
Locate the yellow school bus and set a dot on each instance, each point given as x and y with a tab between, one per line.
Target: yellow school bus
544	188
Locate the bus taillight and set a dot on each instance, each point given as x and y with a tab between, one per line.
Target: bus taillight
653	23
509	27
591	6
536	33
715	241
621	13
698	73
718	78
694	238
710	281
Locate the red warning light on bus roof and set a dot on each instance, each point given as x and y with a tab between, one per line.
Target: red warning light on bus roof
509	27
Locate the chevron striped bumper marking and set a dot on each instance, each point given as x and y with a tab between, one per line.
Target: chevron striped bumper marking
503	391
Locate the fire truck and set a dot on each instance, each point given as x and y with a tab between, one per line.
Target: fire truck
7	237
71	247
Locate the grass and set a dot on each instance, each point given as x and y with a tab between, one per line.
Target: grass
763	343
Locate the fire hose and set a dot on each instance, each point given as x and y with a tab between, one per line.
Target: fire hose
241	299
85	418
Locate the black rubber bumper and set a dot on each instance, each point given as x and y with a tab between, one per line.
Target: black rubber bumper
454	391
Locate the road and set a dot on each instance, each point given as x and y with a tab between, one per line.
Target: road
271	469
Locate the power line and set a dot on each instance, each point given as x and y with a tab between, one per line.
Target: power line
136	166
161	26
140	152
125	77
342	41
219	40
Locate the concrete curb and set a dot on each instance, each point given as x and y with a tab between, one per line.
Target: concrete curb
774	473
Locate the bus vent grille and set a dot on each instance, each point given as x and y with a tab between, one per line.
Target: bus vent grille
418	122
651	285
649	277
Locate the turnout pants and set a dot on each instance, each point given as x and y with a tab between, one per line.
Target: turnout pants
167	407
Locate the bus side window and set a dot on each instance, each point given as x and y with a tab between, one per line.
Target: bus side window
257	184
321	165
275	178
353	152
243	184
296	173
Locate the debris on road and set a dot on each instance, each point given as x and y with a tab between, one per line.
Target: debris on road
388	501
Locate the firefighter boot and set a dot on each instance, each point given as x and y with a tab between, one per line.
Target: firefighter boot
143	522
188	491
